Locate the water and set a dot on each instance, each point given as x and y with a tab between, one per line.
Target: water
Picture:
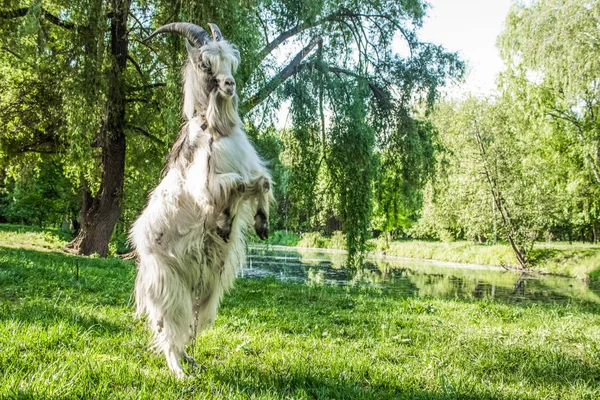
415	278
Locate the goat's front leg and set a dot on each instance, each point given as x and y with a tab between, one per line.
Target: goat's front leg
227	190
223	188
261	189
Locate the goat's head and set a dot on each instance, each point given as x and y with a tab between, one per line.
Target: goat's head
212	62
215	61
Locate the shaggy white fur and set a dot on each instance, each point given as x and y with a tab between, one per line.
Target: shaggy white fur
190	238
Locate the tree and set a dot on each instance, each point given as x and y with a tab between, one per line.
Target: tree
342	61
349	95
487	183
551	49
555	46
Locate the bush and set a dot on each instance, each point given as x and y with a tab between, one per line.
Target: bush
284	238
313	239
338	241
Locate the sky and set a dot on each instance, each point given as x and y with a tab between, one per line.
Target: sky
469	27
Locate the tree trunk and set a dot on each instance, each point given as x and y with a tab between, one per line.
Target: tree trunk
100	217
507	221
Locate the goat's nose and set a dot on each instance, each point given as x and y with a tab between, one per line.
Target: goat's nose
230	82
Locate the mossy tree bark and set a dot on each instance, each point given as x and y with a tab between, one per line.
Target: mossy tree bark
102	215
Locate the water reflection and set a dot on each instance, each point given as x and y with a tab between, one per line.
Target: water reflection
415	278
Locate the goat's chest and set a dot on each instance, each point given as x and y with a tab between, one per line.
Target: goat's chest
233	154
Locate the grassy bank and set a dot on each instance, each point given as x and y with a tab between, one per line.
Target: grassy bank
68	337
577	260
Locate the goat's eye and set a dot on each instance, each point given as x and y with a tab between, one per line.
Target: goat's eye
204	66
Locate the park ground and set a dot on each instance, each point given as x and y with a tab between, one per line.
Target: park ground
67	330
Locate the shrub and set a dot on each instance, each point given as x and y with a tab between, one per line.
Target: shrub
313	239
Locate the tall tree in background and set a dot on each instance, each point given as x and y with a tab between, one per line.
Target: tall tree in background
100	213
552	52
555	46
480	190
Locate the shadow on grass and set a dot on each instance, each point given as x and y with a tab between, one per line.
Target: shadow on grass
47	315
595	279
285	385
42	269
541	256
44	288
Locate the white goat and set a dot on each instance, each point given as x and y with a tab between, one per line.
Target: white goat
190	238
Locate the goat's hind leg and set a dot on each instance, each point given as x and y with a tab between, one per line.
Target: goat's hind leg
174	330
224	224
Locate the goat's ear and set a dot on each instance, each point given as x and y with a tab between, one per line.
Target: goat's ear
192	52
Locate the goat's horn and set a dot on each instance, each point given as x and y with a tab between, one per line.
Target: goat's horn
191	32
216	32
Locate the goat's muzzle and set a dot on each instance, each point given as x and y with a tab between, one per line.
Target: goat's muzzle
227	85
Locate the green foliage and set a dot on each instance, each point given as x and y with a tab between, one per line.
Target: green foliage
338	241
551	80
56	84
342	105
313	240
284	238
352	167
40	195
405	166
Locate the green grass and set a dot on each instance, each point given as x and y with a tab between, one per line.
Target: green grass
33	237
62	337
576	260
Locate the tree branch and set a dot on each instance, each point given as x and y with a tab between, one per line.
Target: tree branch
136	65
296	66
283	36
144	29
289	70
10	14
146	134
149	86
264	26
21	12
336	16
12	52
379	92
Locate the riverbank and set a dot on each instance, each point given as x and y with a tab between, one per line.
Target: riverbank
67	331
581	261
577	260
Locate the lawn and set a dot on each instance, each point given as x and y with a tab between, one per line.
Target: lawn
69	334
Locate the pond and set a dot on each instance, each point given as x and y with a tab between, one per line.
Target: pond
415	278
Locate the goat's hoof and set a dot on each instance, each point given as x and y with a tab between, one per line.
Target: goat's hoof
190	361
266	185
264	235
262	230
261	224
178	372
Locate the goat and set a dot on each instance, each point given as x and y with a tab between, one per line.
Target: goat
190	238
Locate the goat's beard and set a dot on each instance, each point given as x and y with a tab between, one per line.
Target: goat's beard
222	113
